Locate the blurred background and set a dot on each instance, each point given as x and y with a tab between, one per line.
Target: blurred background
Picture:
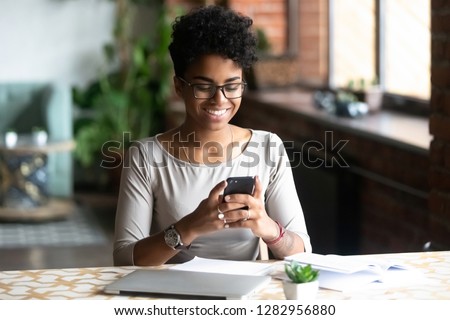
358	90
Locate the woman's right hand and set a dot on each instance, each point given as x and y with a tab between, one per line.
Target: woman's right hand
205	218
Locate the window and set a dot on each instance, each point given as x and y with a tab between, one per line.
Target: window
385	41
407	47
353	42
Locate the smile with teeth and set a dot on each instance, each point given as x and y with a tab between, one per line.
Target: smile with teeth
216	112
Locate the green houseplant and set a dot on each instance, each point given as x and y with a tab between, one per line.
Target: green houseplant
129	102
302	283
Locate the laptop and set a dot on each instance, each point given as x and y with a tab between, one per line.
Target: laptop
188	284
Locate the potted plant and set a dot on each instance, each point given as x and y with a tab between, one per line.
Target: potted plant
348	105
303	281
370	93
128	103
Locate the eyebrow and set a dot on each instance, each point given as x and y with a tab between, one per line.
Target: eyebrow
211	80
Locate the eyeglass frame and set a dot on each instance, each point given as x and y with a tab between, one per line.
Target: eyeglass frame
221	88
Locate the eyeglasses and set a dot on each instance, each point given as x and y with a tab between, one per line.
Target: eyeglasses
208	91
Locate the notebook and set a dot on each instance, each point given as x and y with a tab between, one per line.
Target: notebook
188	284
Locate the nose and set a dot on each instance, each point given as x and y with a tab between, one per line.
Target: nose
219	95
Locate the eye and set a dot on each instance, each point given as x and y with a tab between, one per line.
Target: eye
232	86
204	87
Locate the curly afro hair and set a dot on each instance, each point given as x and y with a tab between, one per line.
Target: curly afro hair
212	30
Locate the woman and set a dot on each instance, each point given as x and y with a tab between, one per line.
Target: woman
171	205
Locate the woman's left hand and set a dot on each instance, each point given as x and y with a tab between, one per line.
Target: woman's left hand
254	218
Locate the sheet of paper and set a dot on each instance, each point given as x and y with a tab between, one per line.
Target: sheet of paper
345	264
334	263
345	282
226	266
366	279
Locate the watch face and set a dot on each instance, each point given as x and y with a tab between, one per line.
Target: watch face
172	237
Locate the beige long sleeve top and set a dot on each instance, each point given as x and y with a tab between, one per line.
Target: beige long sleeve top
158	189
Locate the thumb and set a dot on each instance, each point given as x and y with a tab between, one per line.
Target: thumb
258	188
217	190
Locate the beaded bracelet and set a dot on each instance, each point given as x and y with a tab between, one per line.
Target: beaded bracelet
280	236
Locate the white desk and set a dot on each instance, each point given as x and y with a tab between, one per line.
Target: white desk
88	283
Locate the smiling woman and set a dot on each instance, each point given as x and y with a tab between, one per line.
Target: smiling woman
171	205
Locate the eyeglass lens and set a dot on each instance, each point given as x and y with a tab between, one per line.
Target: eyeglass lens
207	91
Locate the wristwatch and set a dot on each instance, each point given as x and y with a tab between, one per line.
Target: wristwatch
173	238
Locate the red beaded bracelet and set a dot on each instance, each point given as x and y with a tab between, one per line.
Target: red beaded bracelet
281	234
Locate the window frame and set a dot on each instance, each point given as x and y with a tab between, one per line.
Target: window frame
391	101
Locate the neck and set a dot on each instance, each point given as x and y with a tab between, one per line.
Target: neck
215	145
190	135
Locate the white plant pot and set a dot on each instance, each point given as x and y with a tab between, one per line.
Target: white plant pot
374	98
11	139
40	137
300	291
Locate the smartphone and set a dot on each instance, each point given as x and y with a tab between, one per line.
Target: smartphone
245	185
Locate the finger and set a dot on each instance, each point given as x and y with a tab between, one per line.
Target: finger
258	188
236	215
239	224
240	199
232	206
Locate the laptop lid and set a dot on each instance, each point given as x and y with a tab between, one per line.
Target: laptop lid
188	283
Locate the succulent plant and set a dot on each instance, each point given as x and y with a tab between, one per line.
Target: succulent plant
299	273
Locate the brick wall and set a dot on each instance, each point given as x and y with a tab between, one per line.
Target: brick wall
439	172
313	42
269	16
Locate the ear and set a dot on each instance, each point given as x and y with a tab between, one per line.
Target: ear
178	86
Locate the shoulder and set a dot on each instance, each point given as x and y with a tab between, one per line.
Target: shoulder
266	137
143	145
269	145
265	144
167	137
144	150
